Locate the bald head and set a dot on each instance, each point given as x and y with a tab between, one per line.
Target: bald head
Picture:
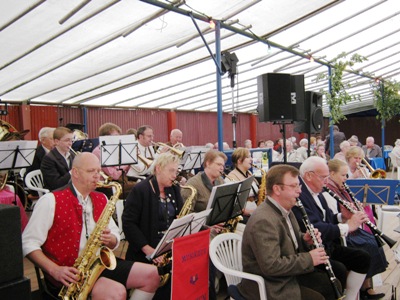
85	172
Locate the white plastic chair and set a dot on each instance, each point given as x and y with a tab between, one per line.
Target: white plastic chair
226	255
34	182
395	164
119	208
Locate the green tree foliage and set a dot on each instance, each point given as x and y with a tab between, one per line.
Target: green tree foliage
387	106
339	95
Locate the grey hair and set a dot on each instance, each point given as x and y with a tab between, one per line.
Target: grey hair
46	132
310	164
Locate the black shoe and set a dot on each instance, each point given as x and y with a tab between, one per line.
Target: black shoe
366	296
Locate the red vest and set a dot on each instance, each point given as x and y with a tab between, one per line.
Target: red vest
62	244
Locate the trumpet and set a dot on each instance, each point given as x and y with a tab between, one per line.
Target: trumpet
73	151
375	173
146	161
173	150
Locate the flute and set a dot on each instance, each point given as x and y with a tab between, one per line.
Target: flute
380	237
328	266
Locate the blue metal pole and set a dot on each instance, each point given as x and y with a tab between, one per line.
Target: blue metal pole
382	88
219	84
331	141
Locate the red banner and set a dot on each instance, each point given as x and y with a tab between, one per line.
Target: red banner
190	266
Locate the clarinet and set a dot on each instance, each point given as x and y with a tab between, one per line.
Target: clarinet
380	237
328	266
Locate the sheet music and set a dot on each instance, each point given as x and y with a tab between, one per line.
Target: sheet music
183	226
118	150
193	157
17	154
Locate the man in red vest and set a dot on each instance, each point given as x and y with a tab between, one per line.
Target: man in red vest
60	226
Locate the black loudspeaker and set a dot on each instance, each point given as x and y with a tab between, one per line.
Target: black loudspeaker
274	97
313	114
17	289
11	260
297	97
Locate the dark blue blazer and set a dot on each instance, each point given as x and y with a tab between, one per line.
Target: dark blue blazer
329	229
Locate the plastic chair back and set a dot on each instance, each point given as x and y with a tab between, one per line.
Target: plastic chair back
226	255
34	182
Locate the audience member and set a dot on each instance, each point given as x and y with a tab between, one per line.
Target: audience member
320	151
344	147
270	145
353	140
338	137
302	151
396	149
370	149
57	163
261	144
248	144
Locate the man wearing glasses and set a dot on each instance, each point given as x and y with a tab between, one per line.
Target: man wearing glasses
274	247
57	163
313	173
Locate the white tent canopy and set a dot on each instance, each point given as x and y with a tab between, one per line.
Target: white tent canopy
131	53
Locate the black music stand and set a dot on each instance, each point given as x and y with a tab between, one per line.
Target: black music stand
186	225
228	200
373	191
193	158
16	155
118	150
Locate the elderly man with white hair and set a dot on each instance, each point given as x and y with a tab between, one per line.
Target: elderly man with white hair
302	151
46	144
371	149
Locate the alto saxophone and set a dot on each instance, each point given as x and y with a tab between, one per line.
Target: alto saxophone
95	257
262	190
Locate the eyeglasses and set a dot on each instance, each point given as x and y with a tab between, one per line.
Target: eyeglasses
293	186
319	176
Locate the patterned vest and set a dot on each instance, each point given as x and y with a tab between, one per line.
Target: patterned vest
62	244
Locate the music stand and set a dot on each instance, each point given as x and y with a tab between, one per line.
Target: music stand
373	191
183	226
193	158
118	150
16	155
228	200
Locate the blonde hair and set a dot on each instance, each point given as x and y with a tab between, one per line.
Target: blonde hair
335	164
353	152
165	159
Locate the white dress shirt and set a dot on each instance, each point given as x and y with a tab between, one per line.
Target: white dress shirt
35	233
